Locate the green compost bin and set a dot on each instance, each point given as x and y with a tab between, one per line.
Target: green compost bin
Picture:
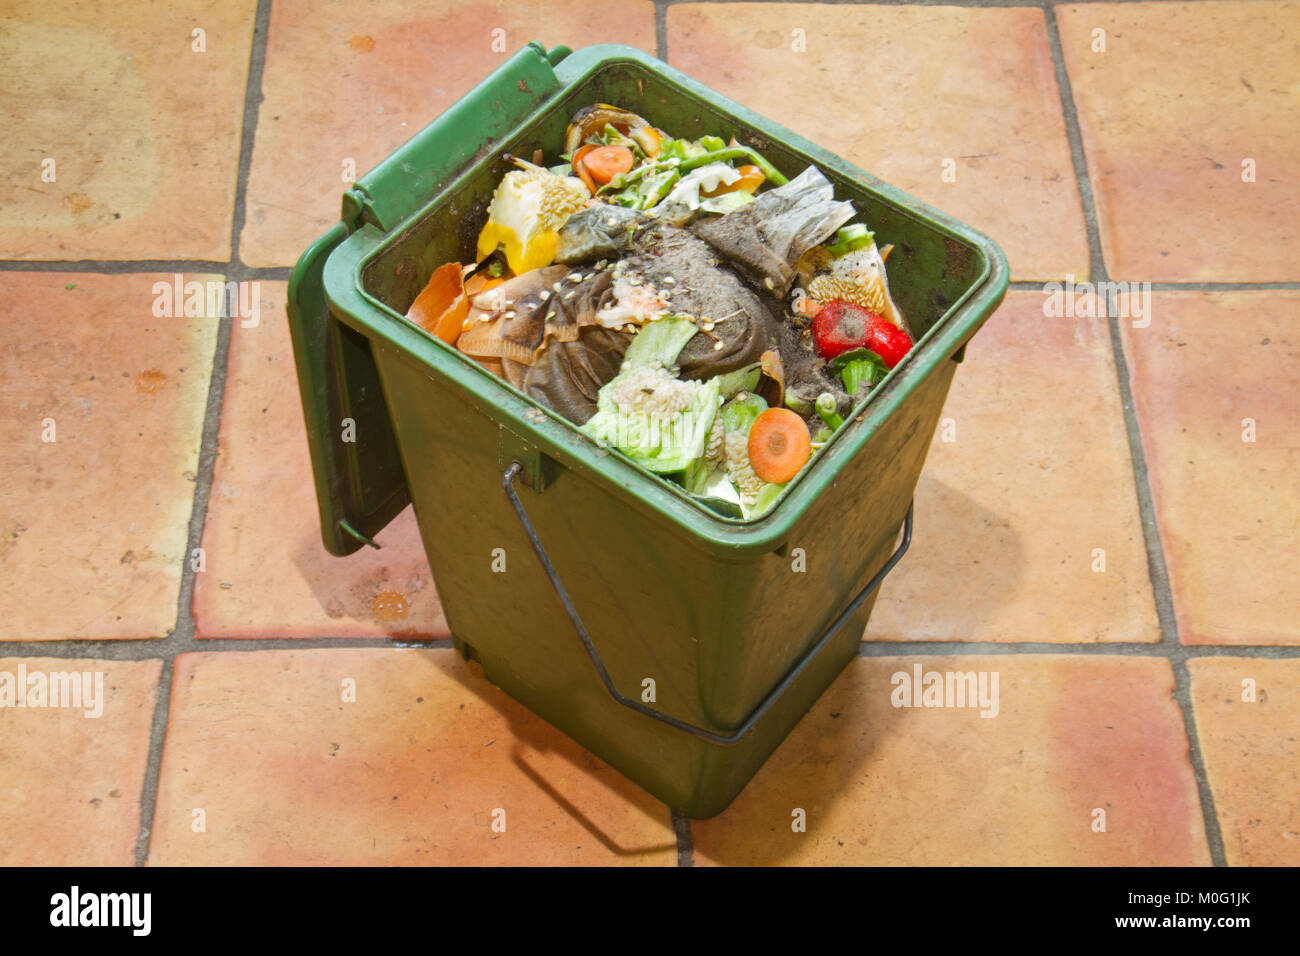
613	577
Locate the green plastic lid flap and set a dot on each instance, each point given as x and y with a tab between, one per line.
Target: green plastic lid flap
360	485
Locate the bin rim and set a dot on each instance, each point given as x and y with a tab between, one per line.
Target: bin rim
560	439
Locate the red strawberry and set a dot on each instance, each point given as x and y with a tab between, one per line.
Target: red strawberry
888	341
840	327
843	326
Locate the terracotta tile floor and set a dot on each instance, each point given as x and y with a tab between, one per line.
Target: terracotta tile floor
1071	736
416	769
267	573
1250	710
1223	450
356	84
992	535
896	91
1194	175
1106	526
99	448
73	776
126	127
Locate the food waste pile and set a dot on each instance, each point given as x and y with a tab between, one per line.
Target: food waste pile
680	301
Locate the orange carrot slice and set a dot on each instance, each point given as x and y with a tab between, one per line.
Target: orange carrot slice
578	154
606	162
580	168
779	445
442	306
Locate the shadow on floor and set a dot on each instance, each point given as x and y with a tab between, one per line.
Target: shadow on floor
961	552
533	735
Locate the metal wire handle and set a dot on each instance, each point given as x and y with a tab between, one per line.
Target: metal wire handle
508	483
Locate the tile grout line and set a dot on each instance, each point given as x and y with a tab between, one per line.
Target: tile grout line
282	273
1225	286
1031	285
153	765
141	650
1171	642
118	649
1098	273
252	107
874	647
1157	569
661	29
685	839
1183	698
1074	138
137	266
181	639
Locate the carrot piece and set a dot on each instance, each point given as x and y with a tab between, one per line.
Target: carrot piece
580	152
581	169
751	177
606	162
442	306
779	445
481	282
808	306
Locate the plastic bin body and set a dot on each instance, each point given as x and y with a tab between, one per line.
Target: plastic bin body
711	609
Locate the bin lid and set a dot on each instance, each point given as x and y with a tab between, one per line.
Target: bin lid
360	485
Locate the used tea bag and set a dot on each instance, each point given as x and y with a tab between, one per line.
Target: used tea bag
516	320
598	232
568	375
544	331
736	324
509	321
766	238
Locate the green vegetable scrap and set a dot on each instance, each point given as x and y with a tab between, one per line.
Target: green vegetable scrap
659	421
851	238
858	368
725	471
826	408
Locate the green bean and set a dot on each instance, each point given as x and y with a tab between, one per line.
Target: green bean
736	152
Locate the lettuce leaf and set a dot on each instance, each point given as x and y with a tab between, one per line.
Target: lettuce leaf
657	443
659	446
